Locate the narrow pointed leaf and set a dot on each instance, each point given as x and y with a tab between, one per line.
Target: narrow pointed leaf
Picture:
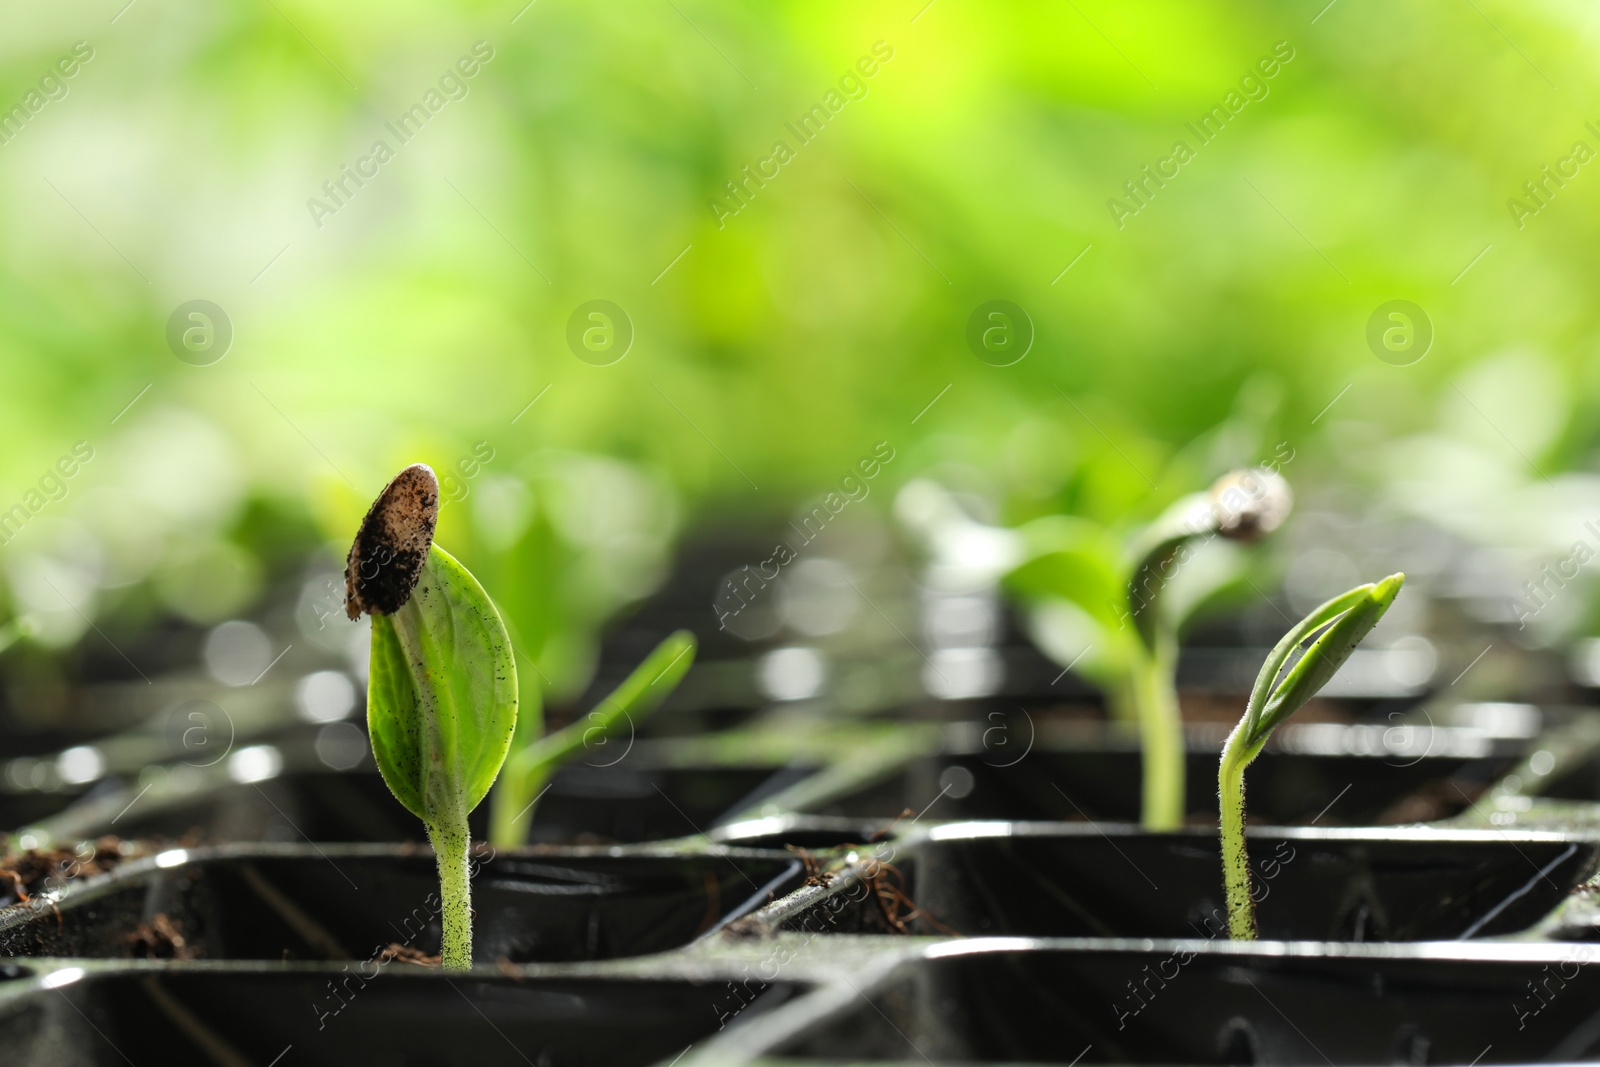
1267	679
638	695
1341	631
442	695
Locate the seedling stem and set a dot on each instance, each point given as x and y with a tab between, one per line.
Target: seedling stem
1297	667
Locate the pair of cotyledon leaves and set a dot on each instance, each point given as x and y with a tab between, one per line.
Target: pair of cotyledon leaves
1084	564
442	700
1325	638
442	689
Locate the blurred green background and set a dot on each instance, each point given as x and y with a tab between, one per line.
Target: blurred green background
586	158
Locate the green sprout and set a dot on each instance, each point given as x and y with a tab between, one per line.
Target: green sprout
1327	636
442	688
1087	588
534	759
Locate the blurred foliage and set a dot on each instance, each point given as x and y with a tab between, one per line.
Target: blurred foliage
775	345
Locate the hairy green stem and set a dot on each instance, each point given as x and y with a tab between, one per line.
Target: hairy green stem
1161	738
1236	756
451	844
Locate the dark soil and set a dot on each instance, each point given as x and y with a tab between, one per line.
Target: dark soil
398	953
23	874
159	939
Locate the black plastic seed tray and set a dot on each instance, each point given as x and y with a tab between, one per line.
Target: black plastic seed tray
874	934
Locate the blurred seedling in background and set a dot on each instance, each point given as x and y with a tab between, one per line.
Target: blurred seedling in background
1298	666
442	689
1110	606
535	759
1241	506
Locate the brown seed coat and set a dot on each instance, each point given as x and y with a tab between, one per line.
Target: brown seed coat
386	558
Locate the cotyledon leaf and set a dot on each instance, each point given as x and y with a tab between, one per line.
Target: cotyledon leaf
1327	653
442	695
1281	689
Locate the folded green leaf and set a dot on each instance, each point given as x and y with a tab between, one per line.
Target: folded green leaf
442	694
1333	631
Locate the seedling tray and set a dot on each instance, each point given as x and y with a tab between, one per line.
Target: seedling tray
879	936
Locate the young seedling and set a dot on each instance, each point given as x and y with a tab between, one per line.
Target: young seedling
1240	506
534	759
1090	588
1324	639
442	688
